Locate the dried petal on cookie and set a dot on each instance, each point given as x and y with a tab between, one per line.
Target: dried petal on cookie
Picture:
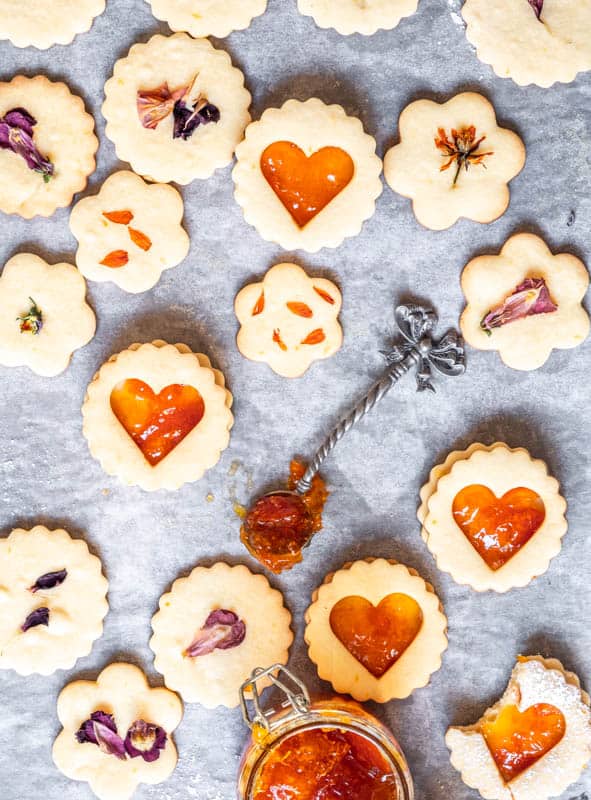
140	239
529	298
324	295
40	616
16	134
537	6
154	105
116	259
278	340
32	321
300	309
315	337
259	306
101	730
49	581
119	217
145	740
222	630
462	149
187	118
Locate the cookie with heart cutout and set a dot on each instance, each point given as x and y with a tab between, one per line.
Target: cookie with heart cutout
525	302
531	41
130	232
176	108
47	146
534	742
157	415
44	316
376	630
351	16
40	24
493	518
52	600
213	18
307	175
117	732
216	626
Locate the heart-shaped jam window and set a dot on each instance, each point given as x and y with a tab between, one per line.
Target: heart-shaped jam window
157	423
376	635
517	739
306	184
498	527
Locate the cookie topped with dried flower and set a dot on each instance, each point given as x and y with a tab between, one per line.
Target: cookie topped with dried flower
214	18
176	108
454	161
525	302
42	24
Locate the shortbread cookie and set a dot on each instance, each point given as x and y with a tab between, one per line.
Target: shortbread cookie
130	232
176	108
157	415
289	320
307	175
376	630
214	628
495	519
454	161
208	17
44	315
525	302
47	146
357	16
531	41
534	742
117	732
52	600
41	24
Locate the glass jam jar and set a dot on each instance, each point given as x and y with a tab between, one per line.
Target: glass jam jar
311	750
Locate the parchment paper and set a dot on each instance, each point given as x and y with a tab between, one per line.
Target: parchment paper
147	540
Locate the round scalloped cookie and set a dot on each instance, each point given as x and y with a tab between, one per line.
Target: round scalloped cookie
56	579
178	455
44	316
178	61
208	17
40	24
130	232
508	35
123	695
319	139
352	16
211	674
63	134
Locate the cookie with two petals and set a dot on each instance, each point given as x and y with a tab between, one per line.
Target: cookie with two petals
353	16
157	415
52	600
117	732
534	742
210	18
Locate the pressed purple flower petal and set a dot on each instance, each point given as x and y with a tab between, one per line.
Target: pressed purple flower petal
188	118
222	630
40	616
49	581
101	730
145	740
16	134
20	118
86	731
529	298
537	6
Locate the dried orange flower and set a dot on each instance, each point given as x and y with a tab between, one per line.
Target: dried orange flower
461	149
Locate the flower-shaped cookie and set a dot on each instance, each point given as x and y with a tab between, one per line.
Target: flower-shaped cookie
357	16
130	232
176	108
534	742
376	630
44	316
52	600
117	732
42	24
453	160
157	415
47	146
531	41
214	628
493	517
307	175
525	302
289	320
214	18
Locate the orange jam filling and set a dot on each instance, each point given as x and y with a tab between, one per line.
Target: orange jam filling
325	764
306	184
157	423
376	635
517	739
496	527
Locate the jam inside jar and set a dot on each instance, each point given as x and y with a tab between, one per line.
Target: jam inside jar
323	750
